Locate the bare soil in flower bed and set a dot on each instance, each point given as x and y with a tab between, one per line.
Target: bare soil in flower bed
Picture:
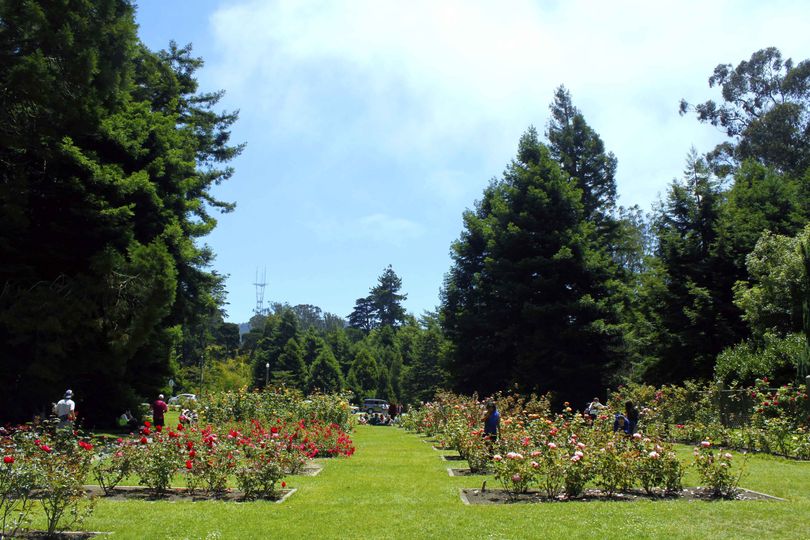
452	458
500	496
127	493
64	535
467	472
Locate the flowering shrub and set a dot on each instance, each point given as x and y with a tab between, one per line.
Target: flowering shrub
288	405
612	465
716	470
115	466
262	467
156	460
475	448
550	467
53	464
786	405
17	482
657	467
514	472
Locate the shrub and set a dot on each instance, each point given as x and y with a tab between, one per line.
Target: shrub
156	460
115	464
515	472
716	470
17	483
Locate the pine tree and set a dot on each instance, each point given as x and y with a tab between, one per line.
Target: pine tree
325	373
363	375
290	365
109	152
526	300
386	299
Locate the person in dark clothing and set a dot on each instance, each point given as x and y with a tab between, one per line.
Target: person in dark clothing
492	422
621	423
631	412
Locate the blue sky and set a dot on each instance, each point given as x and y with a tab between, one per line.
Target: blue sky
371	125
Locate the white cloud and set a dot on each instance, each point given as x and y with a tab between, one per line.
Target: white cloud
377	228
429	81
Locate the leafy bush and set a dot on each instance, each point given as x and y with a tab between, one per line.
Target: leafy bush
776	359
716	470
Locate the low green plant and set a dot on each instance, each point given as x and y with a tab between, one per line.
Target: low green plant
716	470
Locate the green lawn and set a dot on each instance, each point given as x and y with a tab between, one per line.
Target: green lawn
396	486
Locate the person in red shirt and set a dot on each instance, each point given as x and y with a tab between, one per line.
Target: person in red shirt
159	408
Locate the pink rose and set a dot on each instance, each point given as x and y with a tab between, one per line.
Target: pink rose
497	457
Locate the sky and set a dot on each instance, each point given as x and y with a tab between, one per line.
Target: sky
372	125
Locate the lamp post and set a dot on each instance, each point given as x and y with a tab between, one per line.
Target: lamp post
266	373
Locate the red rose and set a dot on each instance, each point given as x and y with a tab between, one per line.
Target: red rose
8	460
192	454
144	440
119	440
284	484
147	424
189	464
45	448
159	428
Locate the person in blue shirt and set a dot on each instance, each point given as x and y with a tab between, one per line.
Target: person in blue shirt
492	422
622	423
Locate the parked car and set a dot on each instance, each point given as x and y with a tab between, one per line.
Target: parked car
372	406
180	398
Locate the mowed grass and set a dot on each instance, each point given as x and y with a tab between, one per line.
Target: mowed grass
396	486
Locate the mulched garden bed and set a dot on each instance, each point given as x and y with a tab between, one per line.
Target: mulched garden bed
452	458
129	493
500	496
64	535
467	472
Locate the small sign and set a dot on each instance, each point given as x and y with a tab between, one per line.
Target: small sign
171	383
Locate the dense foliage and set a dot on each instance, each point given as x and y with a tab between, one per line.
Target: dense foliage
109	154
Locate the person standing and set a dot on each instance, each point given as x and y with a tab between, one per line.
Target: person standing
159	409
631	412
492	422
65	410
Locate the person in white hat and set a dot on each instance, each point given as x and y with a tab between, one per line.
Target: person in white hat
65	409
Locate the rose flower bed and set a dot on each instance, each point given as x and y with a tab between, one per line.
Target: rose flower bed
566	456
48	467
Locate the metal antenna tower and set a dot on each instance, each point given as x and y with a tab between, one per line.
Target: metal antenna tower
260	285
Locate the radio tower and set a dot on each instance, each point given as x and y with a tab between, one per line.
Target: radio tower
260	285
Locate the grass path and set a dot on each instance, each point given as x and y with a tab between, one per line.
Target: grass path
396	486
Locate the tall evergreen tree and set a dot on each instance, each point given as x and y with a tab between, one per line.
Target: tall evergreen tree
325	373
109	152
581	154
426	374
281	329
290	365
525	301
363	375
693	325
364	315
387	300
